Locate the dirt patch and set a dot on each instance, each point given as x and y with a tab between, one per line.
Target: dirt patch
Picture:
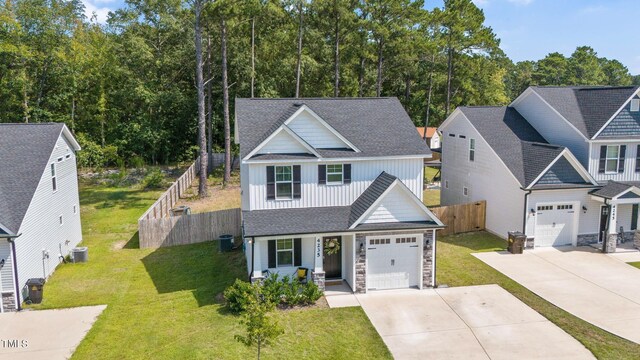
118	245
220	198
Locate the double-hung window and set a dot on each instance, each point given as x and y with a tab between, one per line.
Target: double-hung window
334	174
54	183
611	159
472	149
284	182
284	250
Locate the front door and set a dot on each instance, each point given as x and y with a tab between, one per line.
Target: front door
332	263
604	217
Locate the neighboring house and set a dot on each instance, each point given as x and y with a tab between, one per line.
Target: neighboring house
432	137
561	164
317	173
39	207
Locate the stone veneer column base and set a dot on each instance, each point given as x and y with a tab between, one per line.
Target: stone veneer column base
8	302
318	278
587	239
611	243
361	264
636	239
427	259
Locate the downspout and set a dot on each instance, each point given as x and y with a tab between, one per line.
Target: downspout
14	264
524	213
253	251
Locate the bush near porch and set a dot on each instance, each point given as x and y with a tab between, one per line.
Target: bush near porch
161	304
457	267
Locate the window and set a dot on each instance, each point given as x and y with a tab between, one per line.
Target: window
405	240
379	241
60	220
284	182
60	159
635	105
565	207
611	159
462	136
545	207
472	149
452	135
284	249
53	177
465	191
334	174
446	184
67	156
75	209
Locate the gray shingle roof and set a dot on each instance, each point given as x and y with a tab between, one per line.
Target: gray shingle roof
24	153
376	126
587	108
370	195
523	150
614	188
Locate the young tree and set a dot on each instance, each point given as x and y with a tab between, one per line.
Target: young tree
198	7
225	102
261	328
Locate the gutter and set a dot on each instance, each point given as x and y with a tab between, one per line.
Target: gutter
524	213
14	264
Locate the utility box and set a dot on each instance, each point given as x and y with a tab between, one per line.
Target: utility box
36	288
180	210
226	243
80	254
516	241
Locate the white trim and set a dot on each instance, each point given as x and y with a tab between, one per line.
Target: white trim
635	105
336	160
419	241
317	117
273	134
632	189
413	197
521	97
334	183
433	259
613	140
573	161
490	147
67	133
615	114
576	215
276	182
607	158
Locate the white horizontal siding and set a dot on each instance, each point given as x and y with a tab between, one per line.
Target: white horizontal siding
552	126
629	173
314	132
409	171
283	143
588	222
486	178
396	206
6	273
41	228
308	245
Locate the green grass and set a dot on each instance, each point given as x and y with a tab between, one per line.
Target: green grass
162	303
457	267
635	264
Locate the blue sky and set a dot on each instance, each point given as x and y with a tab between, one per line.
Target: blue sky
530	29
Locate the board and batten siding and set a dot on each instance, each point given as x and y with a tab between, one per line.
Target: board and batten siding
41	228
314	132
552	126
396	206
588	222
363	172
486	178
629	173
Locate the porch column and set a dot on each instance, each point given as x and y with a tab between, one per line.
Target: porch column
317	275
257	259
612	234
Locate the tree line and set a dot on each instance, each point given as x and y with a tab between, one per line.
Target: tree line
130	88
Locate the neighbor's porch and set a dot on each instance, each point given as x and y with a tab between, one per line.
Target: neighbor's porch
618	220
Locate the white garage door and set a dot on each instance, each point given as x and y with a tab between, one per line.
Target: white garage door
554	225
393	261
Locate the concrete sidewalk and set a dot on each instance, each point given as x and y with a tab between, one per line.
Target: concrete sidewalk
45	334
595	287
471	322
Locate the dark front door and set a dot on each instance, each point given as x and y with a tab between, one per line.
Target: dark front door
604	217
332	263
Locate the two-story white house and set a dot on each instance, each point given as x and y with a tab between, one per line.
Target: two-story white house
39	205
340	174
560	164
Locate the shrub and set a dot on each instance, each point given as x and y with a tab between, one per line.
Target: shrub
291	291
136	161
310	293
273	288
240	295
153	180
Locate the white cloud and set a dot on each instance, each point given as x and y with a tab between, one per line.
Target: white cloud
480	2
91	8
521	2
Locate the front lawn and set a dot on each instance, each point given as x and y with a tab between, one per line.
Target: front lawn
457	267
635	264
162	303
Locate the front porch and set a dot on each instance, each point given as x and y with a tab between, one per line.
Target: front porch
618	220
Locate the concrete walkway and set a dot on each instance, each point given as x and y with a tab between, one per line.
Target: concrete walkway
45	334
473	322
595	287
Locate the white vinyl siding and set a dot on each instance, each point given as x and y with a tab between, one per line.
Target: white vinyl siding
588	222
629	173
6	273
409	171
41	228
486	178
283	143
396	206
552	126
315	133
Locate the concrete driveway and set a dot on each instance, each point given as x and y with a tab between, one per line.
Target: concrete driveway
595	287
474	322
45	334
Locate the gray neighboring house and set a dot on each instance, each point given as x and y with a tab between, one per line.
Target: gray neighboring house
341	174
561	164
39	205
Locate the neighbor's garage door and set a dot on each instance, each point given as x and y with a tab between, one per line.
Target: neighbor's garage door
393	261
554	225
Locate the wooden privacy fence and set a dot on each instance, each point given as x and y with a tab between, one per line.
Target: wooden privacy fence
189	229
169	198
462	218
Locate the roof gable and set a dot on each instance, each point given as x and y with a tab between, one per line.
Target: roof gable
315	131
561	172
396	206
284	141
624	124
25	150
